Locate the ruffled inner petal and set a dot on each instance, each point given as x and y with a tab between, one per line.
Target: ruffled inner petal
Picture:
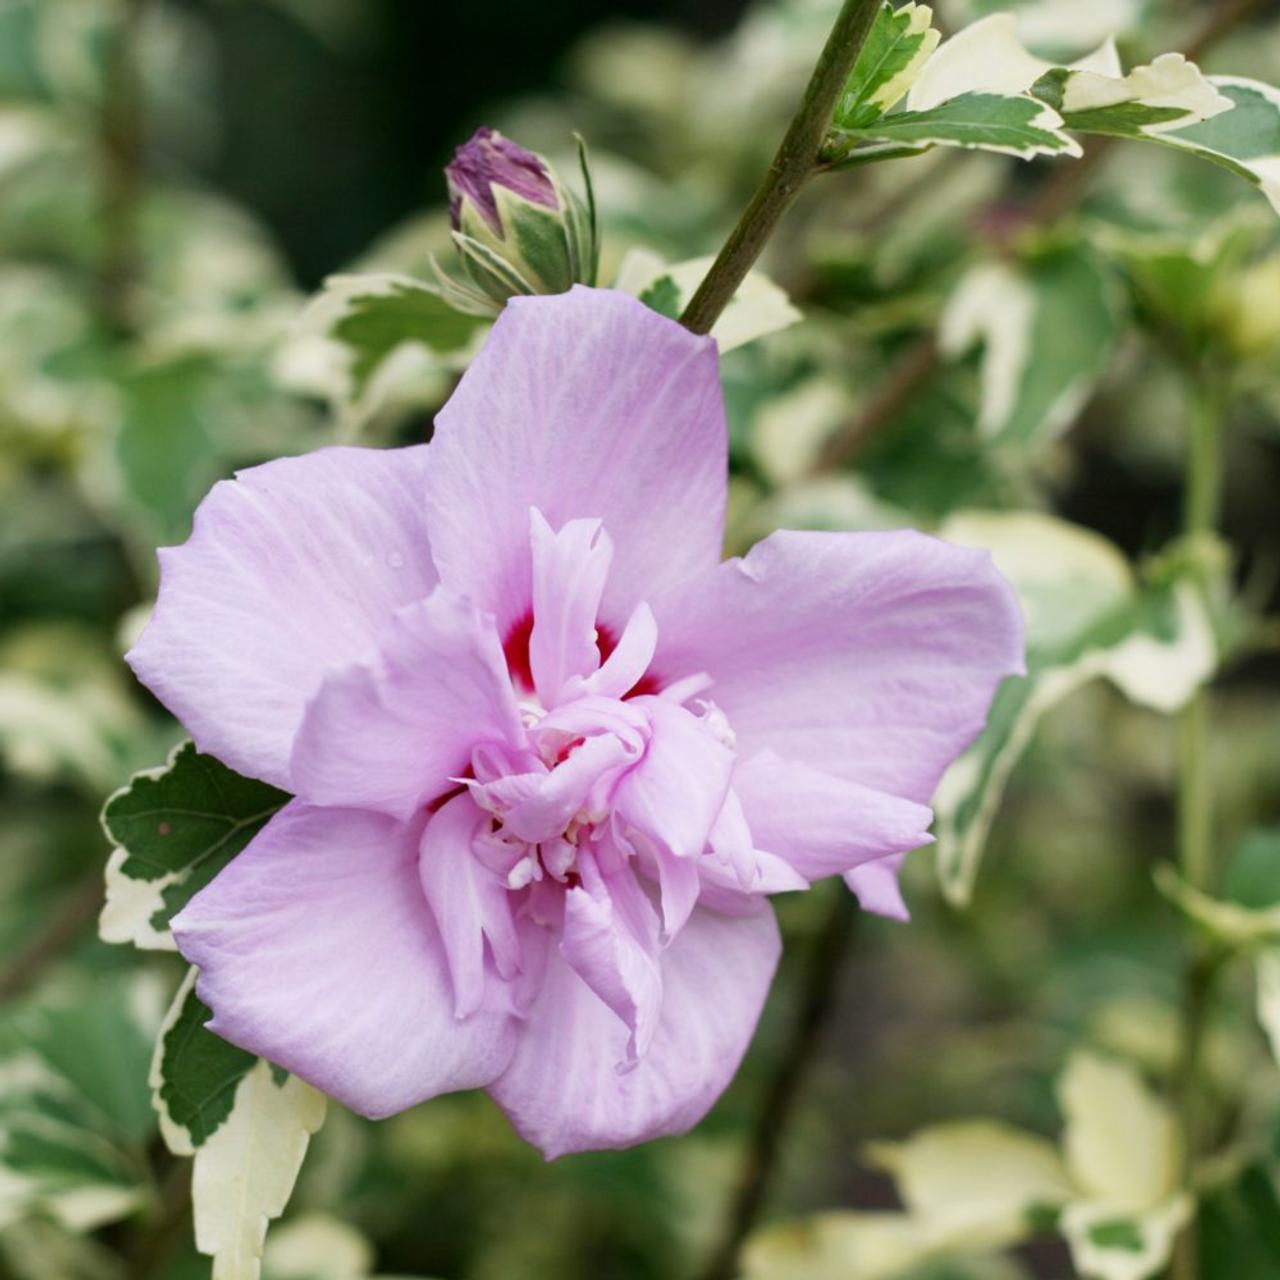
570	568
394	731
471	906
675	794
611	942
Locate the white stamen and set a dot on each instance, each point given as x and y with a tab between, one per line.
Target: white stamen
524	873
531	711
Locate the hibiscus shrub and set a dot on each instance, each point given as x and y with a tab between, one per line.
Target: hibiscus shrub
671	731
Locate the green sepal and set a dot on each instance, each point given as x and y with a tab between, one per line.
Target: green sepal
584	228
536	242
491	273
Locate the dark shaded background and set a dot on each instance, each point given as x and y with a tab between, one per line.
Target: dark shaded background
387	104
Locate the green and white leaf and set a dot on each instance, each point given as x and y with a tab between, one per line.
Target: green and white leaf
896	50
1169	93
1245	140
185	419
245	1122
74	1117
194	1074
1207	288
972	1186
1231	121
988	57
1168	649
1123	1149
1092	95
759	307
1121	1141
972	1183
1106	1245
828	1246
174	828
1048	330
1011	124
382	317
244	1173
663	296
317	1247
789	430
65	711
1069	582
46	731
968	1188
379	342
1086	617
1063	25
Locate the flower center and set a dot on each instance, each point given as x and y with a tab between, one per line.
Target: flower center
549	798
601	817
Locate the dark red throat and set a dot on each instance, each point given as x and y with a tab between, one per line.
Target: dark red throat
516	650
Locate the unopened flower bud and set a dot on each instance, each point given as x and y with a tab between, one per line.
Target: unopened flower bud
518	228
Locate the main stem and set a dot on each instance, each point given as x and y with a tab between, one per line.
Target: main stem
817	998
792	165
1202	504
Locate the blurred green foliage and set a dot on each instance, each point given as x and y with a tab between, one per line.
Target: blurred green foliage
150	343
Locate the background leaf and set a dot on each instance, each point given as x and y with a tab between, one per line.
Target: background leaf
194	1074
1015	125
175	828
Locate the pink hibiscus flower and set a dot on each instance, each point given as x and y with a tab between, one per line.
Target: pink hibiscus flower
550	755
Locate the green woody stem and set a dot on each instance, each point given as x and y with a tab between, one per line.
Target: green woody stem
817	998
792	165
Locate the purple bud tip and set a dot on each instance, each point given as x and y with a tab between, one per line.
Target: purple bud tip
488	160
